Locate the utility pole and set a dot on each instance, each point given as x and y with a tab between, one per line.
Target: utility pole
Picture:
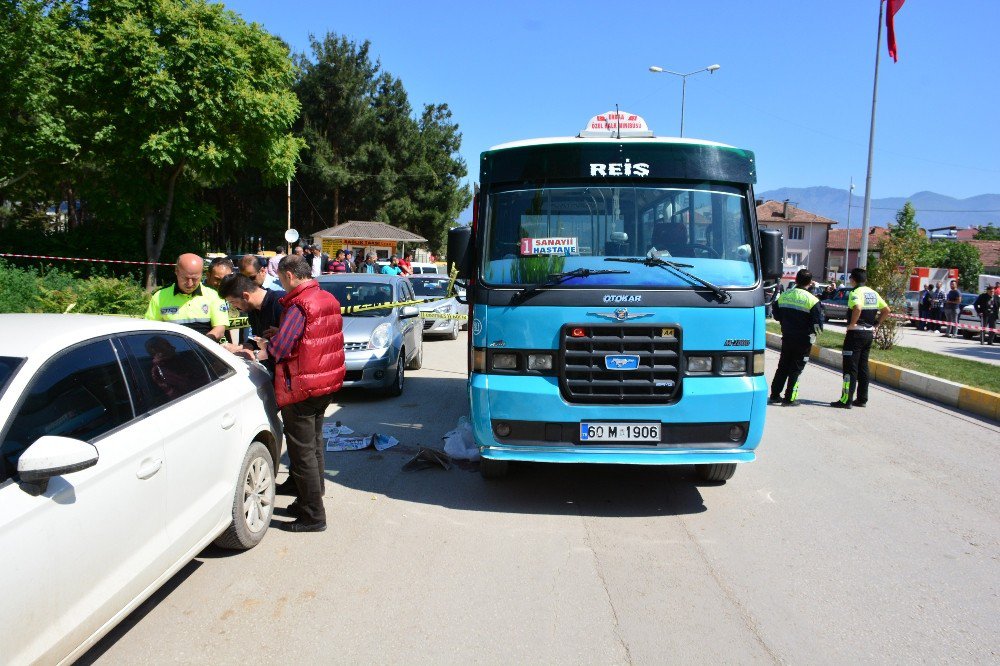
863	258
289	211
847	243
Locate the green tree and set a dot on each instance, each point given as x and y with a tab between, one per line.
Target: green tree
38	46
890	273
180	95
954	254
336	88
442	196
988	232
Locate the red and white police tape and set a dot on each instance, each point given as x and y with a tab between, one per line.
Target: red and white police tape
944	323
100	261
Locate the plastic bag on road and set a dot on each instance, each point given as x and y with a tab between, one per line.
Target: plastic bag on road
459	443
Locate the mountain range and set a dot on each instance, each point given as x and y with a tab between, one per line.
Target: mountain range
933	209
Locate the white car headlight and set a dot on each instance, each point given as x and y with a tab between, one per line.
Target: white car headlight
380	337
443	308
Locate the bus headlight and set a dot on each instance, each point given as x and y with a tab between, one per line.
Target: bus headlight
539	361
505	361
734	364
699	364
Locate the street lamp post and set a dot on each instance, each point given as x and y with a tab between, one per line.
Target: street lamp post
847	245
711	69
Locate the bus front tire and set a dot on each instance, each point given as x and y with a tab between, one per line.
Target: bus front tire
716	471
493	469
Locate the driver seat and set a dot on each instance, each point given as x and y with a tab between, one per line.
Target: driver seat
670	236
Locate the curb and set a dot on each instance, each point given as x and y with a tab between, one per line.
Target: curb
967	398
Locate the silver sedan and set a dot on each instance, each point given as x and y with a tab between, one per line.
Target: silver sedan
379	343
441	312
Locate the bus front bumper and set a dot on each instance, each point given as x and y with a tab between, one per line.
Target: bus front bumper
616	455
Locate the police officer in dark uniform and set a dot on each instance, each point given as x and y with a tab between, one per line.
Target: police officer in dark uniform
801	317
865	312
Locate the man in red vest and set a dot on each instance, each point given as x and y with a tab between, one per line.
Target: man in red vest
308	353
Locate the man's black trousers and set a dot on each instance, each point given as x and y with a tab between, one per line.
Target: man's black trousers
304	439
857	345
794	356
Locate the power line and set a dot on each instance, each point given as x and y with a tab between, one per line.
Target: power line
931	210
858	143
318	214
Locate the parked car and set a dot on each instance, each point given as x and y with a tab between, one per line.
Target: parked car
420	268
379	343
835	307
968	316
433	289
912	304
126	447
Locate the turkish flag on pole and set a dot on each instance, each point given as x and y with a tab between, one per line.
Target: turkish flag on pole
892	6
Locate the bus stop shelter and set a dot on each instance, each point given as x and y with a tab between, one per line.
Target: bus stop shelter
366	237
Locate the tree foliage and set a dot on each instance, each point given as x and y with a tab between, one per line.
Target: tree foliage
163	126
952	254
189	94
890	273
988	232
37	51
367	156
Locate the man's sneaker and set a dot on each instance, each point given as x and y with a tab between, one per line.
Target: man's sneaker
789	403
773	399
836	404
858	403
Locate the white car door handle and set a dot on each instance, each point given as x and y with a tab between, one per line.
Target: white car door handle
228	421
149	467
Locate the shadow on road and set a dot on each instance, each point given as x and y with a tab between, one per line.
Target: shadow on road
136	616
429	407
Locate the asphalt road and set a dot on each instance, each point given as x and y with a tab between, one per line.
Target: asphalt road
863	536
934	341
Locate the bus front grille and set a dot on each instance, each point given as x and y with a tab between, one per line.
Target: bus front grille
620	363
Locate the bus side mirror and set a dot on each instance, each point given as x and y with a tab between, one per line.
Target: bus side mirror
460	251
772	252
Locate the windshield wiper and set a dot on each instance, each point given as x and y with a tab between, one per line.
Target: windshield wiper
654	258
556	278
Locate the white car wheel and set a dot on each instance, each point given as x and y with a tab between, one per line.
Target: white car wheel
253	502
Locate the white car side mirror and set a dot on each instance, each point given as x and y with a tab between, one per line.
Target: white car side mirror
53	456
408	312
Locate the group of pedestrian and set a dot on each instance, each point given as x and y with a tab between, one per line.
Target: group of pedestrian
297	335
800	314
939	309
941	306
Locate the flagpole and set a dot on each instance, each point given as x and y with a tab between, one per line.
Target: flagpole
863	251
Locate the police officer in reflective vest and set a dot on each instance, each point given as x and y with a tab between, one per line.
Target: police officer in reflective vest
866	312
190	303
801	317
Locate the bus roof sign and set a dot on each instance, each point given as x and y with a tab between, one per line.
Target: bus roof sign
614	124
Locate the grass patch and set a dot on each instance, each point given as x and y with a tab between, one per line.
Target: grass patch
963	371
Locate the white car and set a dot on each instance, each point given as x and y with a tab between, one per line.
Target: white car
126	447
421	268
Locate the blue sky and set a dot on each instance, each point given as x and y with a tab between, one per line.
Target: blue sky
795	84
